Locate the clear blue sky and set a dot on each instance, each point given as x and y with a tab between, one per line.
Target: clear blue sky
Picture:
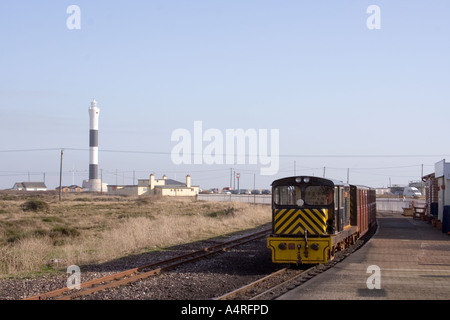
342	95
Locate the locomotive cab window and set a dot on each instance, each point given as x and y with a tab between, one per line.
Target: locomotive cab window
313	196
287	195
341	198
336	198
319	195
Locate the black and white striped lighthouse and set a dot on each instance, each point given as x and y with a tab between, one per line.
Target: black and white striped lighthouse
94	181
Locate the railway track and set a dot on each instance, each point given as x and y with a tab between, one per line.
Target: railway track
266	288
144	271
279	282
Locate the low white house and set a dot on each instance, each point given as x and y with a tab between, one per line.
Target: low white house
30	186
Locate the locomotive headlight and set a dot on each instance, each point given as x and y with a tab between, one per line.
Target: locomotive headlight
306	180
298	180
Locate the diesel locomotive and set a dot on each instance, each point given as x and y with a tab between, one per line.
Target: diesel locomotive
313	218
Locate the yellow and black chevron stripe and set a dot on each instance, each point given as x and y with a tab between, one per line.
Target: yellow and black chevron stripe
296	221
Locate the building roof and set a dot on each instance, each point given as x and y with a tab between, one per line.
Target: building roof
73	186
31	185
171	182
428	176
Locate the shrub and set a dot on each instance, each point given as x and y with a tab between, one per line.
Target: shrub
35	205
225	212
64	232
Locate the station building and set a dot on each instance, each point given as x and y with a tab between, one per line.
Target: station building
437	191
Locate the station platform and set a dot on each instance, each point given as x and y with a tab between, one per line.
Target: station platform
406	259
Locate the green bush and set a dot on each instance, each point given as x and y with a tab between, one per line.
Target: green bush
35	205
64	232
225	212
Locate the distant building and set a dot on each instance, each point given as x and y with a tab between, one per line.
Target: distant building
87	184
30	186
152	186
169	187
437	189
125	190
381	191
432	189
72	188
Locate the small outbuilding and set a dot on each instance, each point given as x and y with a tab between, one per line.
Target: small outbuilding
437	192
30	186
72	188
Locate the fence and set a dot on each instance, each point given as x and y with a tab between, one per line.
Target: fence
396	204
249	198
383	204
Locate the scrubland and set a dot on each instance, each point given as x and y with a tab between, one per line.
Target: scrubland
39	233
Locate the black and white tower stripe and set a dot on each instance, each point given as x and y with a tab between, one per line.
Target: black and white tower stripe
94	182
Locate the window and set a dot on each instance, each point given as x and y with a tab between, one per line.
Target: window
287	195
319	195
336	198
313	195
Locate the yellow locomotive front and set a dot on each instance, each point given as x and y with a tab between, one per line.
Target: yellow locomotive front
308	215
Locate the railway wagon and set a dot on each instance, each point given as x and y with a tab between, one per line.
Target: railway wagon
362	208
313	218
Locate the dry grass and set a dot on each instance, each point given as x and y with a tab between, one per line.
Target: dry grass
85	229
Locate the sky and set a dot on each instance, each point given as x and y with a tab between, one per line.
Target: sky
350	92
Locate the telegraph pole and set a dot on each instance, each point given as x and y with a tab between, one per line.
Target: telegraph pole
60	175
101	181
238	176
231	177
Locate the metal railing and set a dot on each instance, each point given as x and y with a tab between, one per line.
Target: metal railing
248	198
383	204
397	205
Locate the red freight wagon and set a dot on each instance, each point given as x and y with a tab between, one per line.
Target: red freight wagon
362	208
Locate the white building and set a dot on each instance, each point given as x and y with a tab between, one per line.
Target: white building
30	186
152	186
442	174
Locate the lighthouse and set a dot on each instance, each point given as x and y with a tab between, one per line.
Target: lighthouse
94	183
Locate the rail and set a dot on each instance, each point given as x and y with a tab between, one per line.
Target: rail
135	274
